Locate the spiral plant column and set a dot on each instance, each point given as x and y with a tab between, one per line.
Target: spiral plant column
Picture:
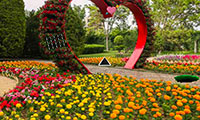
54	40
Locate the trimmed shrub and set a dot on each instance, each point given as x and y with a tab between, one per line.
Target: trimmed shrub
93	48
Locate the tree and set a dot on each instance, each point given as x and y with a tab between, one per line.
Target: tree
12	28
75	31
175	21
31	48
96	21
196	38
119	43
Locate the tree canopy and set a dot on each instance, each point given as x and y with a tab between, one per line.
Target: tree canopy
12	28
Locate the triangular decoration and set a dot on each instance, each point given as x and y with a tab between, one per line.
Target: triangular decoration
104	62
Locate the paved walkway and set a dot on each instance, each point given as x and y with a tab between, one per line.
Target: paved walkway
6	83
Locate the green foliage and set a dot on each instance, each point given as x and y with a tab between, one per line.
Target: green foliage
75	31
174	22
12	28
93	48
31	48
119	43
93	37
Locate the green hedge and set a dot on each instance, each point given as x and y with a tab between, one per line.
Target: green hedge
93	48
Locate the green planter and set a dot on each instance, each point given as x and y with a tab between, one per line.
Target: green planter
186	78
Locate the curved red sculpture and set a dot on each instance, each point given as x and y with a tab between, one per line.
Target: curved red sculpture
55	27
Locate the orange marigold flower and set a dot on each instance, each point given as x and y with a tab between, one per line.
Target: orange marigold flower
178	117
116	111
152	99
158	114
182	112
113	115
118	107
187	107
175	86
191	102
155	115
159	94
187	86
184	100
179	103
166	97
126	110
142	111
122	117
174	93
187	111
171	114
155	105
168	88
131	104
198	108
174	107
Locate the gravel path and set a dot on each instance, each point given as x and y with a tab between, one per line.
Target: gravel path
6	83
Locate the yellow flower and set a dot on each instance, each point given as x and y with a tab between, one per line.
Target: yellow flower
83	117
66	112
91	109
62	101
35	115
91	114
47	117
75	118
106	103
32	118
68	106
68	118
16	116
1	113
18	105
62	111
42	109
29	101
59	105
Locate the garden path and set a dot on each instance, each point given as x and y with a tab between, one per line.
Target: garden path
6	84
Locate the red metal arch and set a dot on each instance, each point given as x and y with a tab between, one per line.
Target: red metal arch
142	29
52	8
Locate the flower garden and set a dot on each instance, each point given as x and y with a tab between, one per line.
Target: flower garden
44	93
184	64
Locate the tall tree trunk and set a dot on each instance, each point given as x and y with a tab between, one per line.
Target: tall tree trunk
196	46
107	41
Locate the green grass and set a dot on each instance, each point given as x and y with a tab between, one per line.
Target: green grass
105	54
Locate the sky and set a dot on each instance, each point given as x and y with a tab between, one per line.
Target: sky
35	4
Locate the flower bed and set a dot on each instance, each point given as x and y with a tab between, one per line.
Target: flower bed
49	95
96	60
188	64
